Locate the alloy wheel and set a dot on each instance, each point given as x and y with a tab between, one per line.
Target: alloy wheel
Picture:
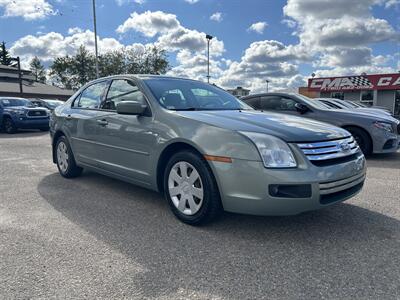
62	156
185	188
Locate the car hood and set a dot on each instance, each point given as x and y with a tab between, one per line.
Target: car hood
371	115
289	128
27	108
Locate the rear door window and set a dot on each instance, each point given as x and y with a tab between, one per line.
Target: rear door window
277	103
254	102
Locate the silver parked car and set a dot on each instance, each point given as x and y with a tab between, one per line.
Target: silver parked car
375	133
346	104
203	148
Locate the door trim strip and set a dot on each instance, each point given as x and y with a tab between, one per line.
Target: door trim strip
111	146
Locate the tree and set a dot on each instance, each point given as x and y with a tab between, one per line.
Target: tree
149	60
38	69
74	71
5	58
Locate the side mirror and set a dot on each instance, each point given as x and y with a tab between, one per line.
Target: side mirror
301	108
131	108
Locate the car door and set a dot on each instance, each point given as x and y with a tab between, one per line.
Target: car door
125	141
82	123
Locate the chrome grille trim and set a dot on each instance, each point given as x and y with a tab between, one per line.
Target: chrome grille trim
329	149
340	185
33	114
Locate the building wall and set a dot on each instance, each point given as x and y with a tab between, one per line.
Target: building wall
35	96
325	95
353	96
386	99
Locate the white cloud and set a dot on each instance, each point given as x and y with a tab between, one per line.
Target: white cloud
194	66
52	45
149	23
171	35
325	23
258	27
191	1
217	16
392	3
122	2
28	9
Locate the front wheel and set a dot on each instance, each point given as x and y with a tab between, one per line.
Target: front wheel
65	159
9	126
190	189
362	139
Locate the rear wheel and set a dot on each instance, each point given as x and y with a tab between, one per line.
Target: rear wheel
9	126
190	189
65	159
362	138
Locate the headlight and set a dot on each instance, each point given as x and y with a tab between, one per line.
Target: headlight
384	126
274	152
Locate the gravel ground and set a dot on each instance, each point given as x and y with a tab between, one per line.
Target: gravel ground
95	237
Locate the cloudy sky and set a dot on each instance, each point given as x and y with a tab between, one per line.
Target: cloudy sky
283	41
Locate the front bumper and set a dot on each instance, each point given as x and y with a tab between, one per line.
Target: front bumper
384	142
245	185
32	123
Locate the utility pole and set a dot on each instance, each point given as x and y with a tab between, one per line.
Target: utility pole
19	72
95	38
267	81
209	38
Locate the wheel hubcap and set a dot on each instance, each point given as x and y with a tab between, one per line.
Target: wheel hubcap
8	125
62	156
185	188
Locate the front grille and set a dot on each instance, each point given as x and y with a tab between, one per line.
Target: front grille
339	196
37	113
328	150
336	190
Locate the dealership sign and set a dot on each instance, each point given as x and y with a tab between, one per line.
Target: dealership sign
351	83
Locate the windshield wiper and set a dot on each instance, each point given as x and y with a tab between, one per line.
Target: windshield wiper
186	109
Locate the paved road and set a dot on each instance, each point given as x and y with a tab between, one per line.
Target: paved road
95	237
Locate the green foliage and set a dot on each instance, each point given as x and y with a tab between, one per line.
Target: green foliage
38	70
74	71
5	58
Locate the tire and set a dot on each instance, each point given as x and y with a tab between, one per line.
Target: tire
362	138
184	197
9	126
65	159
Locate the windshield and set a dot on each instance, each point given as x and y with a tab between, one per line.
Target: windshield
53	103
180	94
16	102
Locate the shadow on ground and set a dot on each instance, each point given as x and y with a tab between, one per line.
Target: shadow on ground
333	251
386	160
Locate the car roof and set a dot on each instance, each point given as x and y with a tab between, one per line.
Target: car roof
268	94
142	77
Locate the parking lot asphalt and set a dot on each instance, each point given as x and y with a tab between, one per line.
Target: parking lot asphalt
96	237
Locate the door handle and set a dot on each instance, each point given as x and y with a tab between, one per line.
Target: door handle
102	122
69	117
